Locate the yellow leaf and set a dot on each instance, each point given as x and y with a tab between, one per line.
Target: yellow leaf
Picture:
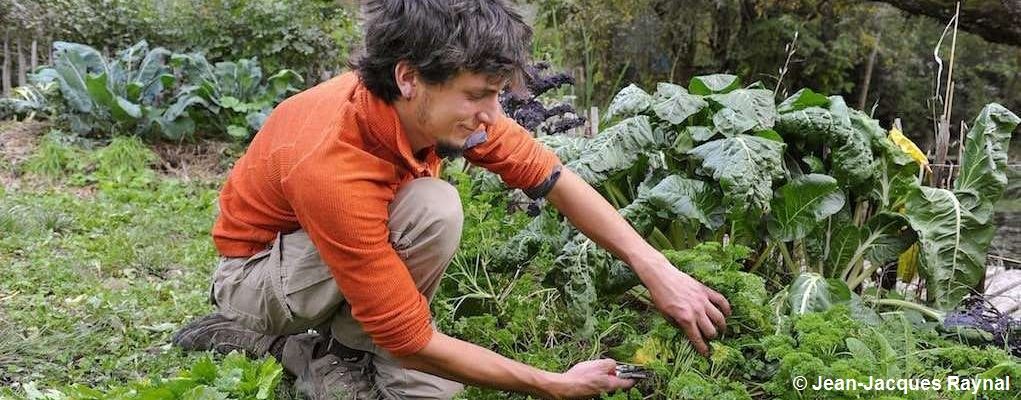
908	146
907	263
651	349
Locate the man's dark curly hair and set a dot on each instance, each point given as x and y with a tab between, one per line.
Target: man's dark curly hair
439	39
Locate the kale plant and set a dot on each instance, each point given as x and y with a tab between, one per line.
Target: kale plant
531	113
975	312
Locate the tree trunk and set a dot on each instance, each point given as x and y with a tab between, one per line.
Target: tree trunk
35	54
994	20
22	65
5	71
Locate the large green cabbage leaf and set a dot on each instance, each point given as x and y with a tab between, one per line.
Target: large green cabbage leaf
801	204
618	148
983	175
676	197
745	166
630	101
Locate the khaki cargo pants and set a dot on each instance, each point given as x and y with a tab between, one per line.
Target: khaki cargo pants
287	289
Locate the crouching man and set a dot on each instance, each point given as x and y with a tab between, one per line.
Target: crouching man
334	230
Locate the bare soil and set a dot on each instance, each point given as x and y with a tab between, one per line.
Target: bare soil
18	141
204	160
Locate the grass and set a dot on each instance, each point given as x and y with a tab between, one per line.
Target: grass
92	288
93	283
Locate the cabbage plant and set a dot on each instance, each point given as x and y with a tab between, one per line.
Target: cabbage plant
824	195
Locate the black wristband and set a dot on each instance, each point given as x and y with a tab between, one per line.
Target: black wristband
544	188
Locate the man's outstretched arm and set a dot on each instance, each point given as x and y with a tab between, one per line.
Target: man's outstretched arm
464	362
699	311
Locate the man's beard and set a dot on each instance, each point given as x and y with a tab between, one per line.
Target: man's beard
449	151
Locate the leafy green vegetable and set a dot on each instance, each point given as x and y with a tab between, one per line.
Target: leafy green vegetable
617	148
674	104
711	84
953	244
753	108
718	267
813	292
676	197
745	166
803	99
983	171
235	377
840	200
630	101
801	204
158	93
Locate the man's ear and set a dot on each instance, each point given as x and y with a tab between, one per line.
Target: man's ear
407	79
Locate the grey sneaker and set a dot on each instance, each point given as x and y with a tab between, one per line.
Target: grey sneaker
216	332
327	370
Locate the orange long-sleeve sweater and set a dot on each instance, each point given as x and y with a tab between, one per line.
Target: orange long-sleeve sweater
330	160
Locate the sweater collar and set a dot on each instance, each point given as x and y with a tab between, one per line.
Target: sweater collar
385	126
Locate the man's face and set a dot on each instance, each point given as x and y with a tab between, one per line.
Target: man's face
449	112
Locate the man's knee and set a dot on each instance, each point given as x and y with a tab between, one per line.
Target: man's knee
438	197
431	206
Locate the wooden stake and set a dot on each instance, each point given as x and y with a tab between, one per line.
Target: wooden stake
950	69
868	73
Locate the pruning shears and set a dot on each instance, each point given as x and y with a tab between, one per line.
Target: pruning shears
631	371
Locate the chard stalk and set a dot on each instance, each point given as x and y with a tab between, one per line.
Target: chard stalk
788	259
616	196
929	312
660	240
763	256
679	236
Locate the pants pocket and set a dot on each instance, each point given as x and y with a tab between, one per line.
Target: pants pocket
242	290
309	290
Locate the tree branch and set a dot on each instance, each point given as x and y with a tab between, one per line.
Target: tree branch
993	20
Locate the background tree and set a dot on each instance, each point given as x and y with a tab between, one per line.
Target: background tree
610	42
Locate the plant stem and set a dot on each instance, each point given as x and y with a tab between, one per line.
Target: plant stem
763	256
853	283
929	312
678	235
794	268
616	196
659	239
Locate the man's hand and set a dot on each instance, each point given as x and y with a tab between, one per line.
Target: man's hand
694	308
589	379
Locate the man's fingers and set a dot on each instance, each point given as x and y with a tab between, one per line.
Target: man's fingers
720	301
717	317
691	330
607	365
706	327
619	383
